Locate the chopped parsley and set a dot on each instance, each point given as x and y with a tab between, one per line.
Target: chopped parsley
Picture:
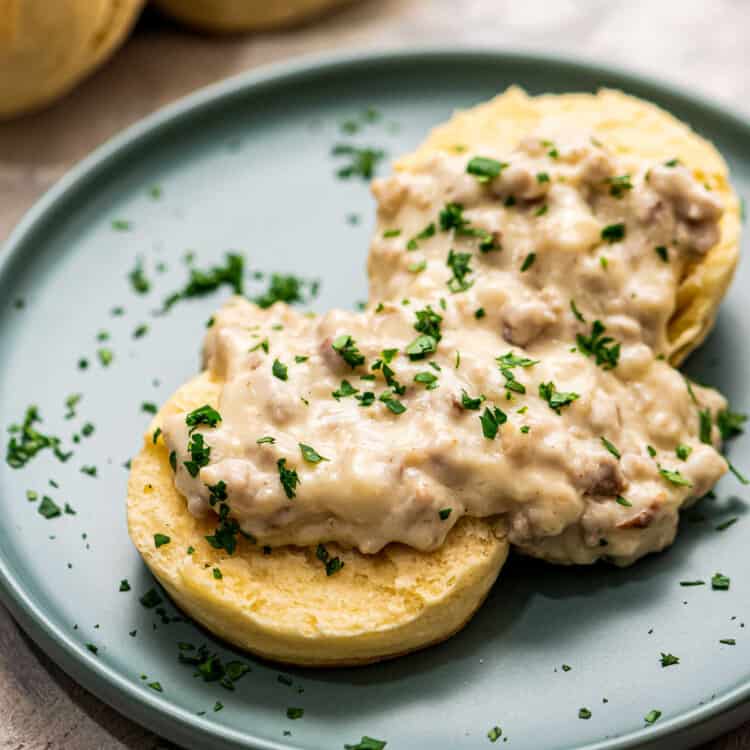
140	331
332	564
160	540
279	370
542	177
49	508
287	288
295	713
720	582
556	399
541	210
138	280
264	345
150	599
149	407
288	477
124	585
421	346
610	447
217	574
576	312
428	322
26	441
427	379
366	399
584	713
662	252
491	420
367	743
669	660
417	267
618	186
735	471
460	265
693	583
704	417
71	402
620	500
494	734
728	641
105	356
362	161
200	453
225	534
467	402
425	234
730	423
394	405
479	313
485	169
205	414
613	233
674	477
391	233
346	348
122	225
311	455
444	513
652	716
724	525
528	261
452	218
210	667
603	348
683	451
201	283
344	390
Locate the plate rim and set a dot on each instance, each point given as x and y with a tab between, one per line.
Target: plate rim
158	713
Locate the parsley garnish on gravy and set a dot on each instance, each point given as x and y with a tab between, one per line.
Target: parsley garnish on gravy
556	399
346	348
604	348
288	477
485	169
202	415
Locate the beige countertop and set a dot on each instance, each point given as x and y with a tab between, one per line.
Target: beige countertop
699	44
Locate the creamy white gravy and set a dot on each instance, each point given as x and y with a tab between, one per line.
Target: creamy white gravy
587	456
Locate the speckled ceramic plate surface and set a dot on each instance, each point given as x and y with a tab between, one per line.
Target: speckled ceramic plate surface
247	166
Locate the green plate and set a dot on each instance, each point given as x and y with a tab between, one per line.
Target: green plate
247	165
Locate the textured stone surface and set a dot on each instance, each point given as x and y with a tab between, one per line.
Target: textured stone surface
699	44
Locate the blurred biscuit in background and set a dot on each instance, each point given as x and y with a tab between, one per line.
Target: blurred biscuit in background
47	46
244	15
